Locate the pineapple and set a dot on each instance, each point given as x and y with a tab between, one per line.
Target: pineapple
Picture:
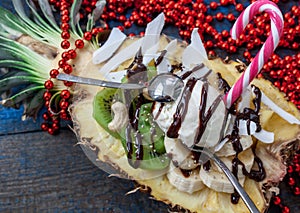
204	198
198	195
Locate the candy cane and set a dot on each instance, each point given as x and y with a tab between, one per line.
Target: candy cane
264	53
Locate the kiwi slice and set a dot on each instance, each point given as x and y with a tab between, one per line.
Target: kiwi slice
151	132
102	109
154	154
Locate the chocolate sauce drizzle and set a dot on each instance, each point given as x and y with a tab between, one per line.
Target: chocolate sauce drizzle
205	116
188	73
207	165
136	72
133	126
249	115
222	84
160	58
181	109
161	106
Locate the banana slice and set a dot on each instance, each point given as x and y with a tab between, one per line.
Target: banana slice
180	154
215	179
186	183
227	149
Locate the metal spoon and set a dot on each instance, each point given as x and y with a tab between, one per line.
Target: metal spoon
165	87
235	183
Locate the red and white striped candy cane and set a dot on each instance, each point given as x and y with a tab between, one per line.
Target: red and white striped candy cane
264	53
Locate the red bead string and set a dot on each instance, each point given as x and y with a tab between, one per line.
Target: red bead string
292	180
52	116
185	15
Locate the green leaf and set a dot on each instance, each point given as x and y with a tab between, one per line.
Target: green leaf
47	11
74	18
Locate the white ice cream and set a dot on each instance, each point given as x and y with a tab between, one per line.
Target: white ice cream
187	133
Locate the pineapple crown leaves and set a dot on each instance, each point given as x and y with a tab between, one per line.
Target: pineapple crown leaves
29	42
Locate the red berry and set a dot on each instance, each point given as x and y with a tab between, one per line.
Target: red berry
48	84
213	5
291	181
65	94
65	19
55	126
239	7
65	44
46	116
44	126
54	73
51	131
65	26
64	104
79	43
68	83
285	209
219	16
72	54
88	36
65	35
68	68
276	200
62	63
65	55
297	190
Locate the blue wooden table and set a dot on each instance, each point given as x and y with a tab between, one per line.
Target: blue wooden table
43	173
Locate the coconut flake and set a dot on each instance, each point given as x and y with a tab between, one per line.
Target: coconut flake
194	53
116	76
152	33
125	54
220	145
114	41
150	54
165	66
264	136
283	114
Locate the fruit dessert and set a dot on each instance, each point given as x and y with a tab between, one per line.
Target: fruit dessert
155	143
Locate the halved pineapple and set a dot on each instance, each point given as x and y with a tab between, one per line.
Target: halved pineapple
274	157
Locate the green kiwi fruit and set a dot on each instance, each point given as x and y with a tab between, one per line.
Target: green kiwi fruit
102	109
154	156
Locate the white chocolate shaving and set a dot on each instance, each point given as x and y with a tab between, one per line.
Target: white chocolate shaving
283	114
152	33
125	54
264	136
165	66
114	41
195	53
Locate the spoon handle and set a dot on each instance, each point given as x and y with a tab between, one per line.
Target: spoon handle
97	82
233	180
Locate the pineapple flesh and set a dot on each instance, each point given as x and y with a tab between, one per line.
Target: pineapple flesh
110	150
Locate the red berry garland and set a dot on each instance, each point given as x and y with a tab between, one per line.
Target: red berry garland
187	14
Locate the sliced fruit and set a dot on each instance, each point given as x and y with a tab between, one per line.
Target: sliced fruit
102	109
227	149
180	154
215	179
186	181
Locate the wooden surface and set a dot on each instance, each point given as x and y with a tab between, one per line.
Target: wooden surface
43	173
39	172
